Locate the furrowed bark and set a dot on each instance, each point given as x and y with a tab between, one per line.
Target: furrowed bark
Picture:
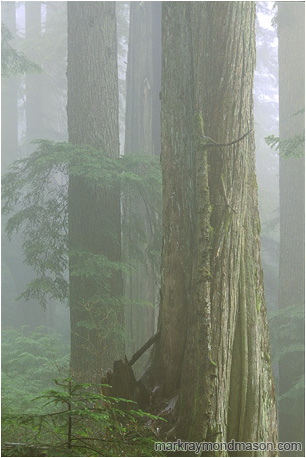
214	345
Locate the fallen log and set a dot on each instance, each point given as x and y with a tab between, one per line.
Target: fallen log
15	448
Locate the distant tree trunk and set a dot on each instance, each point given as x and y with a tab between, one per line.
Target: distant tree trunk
34	315
54	97
34	98
143	136
9	93
291	31
143	78
53	86
213	349
94	212
12	313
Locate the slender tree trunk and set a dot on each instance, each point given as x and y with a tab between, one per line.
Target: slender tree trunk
9	93
9	149
214	348
143	136
291	31
34	98
55	93
34	315
54	81
143	78
94	212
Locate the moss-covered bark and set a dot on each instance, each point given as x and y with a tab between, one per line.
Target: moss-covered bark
244	401
94	212
214	347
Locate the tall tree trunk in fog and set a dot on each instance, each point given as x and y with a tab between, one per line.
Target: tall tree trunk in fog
11	270
291	31
143	79
34	99
14	269
35	315
54	92
94	212
9	93
54	67
214	347
143	136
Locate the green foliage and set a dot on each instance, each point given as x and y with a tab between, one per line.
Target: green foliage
99	425
12	61
30	359
35	194
291	148
82	422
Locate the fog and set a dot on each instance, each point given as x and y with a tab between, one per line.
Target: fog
102	252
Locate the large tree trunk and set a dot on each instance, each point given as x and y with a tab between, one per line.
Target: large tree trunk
94	212
291	31
214	348
142	136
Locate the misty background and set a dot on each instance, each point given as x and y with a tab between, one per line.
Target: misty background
36	340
